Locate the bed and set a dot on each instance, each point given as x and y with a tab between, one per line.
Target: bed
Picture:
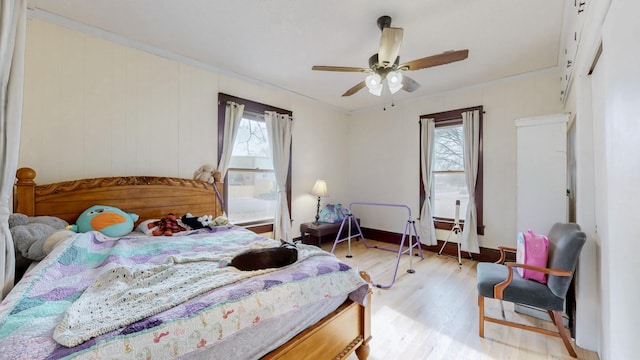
316	308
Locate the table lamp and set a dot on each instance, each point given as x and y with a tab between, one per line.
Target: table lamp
319	190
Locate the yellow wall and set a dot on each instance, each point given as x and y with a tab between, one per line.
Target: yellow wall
384	152
95	107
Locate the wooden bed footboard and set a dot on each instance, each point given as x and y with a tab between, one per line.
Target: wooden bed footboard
342	332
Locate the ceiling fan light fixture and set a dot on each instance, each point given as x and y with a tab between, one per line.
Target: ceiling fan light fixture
374	84
377	91
385	64
394	80
373	80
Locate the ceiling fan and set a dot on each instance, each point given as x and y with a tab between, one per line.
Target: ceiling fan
386	63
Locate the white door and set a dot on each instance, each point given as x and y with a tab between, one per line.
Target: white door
541	172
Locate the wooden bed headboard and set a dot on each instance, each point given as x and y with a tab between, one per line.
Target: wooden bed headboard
151	197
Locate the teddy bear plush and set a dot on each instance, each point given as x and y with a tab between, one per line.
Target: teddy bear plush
205	173
35	236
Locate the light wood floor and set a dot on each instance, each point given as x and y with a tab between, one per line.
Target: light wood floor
433	313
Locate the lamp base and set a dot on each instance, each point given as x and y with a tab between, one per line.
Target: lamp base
318	212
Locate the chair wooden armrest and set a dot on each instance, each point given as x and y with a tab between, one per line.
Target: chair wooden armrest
503	250
498	289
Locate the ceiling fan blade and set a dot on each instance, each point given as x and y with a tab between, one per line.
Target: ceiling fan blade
355	89
408	84
339	68
435	60
389	46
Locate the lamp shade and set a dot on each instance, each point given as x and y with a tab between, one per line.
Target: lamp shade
394	79
374	84
320	189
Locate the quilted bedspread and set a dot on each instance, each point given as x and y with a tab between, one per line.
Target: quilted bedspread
145	297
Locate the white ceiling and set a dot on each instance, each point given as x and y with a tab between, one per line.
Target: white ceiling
278	41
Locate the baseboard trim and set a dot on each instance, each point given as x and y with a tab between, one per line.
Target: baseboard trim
451	249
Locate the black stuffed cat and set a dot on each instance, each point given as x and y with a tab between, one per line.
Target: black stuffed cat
257	259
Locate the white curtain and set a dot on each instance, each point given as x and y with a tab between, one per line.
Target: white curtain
427	228
471	129
232	119
279	129
13	18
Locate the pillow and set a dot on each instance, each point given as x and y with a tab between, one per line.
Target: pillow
109	220
147	227
332	213
532	249
55	239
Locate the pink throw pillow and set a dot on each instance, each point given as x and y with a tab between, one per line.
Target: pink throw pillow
532	249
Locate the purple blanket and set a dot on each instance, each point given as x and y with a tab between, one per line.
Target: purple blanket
32	311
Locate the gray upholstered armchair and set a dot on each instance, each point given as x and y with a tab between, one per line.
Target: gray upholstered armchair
502	281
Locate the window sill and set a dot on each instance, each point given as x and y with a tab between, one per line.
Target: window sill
447	224
258	228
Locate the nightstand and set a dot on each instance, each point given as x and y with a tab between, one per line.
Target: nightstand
324	229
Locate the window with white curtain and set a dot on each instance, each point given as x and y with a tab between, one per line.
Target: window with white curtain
449	182
250	184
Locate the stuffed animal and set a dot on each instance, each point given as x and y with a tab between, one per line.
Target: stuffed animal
109	220
166	226
220	220
257	259
35	236
203	221
197	222
205	173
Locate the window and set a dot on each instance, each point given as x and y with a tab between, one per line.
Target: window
449	183
250	184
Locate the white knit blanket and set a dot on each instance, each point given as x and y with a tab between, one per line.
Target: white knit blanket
121	296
